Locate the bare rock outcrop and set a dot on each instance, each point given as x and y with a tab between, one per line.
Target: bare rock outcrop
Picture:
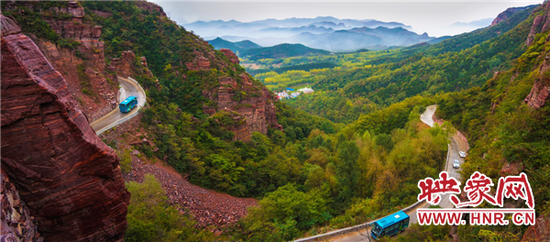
540	24
540	93
83	63
506	14
68	178
74	28
538	232
199	63
254	104
535	28
127	65
230	55
511	169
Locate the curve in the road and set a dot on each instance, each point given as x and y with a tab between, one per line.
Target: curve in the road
128	87
361	232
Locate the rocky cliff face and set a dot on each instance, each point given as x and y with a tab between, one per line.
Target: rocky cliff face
254	104
538	232
82	66
506	14
126	65
541	24
69	179
540	93
230	55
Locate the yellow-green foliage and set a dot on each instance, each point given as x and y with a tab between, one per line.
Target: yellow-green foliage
150	218
503	130
125	160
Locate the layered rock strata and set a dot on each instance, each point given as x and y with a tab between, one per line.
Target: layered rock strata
540	24
540	93
230	55
82	65
255	105
68	178
125	66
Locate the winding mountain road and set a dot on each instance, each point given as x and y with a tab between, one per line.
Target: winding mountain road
457	144
128	87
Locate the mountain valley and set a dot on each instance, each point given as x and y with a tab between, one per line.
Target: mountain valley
214	154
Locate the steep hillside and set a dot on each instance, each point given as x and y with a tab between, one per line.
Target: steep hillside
454	64
69	180
191	74
507	120
219	128
71	43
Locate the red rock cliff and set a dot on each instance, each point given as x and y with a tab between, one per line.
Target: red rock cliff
540	24
540	93
69	179
254	104
82	66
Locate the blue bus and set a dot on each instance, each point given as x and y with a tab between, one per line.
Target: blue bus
390	225
127	105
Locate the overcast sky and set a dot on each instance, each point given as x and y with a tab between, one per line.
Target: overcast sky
432	17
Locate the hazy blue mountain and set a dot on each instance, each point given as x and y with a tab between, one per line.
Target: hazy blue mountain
270	32
296	30
250	50
467	27
359	38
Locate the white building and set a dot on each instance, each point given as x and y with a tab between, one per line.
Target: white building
306	90
282	95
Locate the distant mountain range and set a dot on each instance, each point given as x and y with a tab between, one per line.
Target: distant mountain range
326	33
466	27
220	43
250	50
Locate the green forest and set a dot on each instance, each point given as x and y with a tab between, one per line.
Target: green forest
369	80
352	151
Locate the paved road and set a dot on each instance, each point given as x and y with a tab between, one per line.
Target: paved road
426	117
456	145
128	87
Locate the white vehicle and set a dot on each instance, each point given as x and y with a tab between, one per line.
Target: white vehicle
462	154
456	164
